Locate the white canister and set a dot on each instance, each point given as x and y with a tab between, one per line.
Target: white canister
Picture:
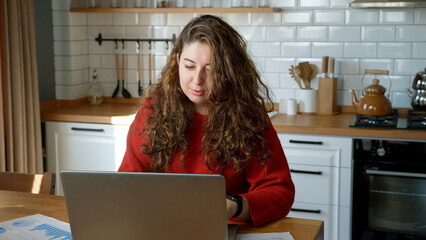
291	106
283	106
307	100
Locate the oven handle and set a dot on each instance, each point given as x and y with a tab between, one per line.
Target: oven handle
398	174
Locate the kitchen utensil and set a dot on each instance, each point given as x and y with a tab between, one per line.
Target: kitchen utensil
374	103
305	73
124	91
324	67
331	68
295	74
140	89
117	68
418	96
307	100
150	66
313	72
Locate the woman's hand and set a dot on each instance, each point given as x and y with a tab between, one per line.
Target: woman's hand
231	207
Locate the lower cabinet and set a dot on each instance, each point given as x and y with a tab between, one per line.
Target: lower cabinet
84	146
320	167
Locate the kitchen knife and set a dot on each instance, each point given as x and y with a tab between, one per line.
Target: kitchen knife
331	67
324	67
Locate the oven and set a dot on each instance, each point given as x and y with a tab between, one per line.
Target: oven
389	189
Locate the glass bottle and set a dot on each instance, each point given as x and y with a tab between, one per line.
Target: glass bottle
95	92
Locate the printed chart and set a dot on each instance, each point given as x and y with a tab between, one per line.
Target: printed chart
35	227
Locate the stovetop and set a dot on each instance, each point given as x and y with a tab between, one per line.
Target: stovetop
415	121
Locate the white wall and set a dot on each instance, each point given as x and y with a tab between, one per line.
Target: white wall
304	30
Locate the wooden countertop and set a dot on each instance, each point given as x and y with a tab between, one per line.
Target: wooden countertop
18	204
119	111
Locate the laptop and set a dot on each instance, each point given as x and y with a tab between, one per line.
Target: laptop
154	206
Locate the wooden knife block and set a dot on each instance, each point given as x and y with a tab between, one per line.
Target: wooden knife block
327	96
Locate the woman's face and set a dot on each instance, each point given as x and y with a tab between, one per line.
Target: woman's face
194	67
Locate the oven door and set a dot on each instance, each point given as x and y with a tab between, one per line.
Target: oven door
396	202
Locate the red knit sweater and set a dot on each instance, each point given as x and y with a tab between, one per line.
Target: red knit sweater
268	188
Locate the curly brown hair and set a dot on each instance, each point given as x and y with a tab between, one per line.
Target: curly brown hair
237	112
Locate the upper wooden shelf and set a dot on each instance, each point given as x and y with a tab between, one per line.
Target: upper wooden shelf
175	10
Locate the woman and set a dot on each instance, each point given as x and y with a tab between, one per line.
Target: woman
207	115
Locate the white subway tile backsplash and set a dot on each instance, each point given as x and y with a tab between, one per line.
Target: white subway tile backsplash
361	50
235	19
329	17
411	33
272	80
344	97
409	66
138	32
252	33
351	82
100	19
344	33
94	61
312	33
378	33
296	49
65	18
112	31
419	50
259	62
313	3
281	33
400	83
163	32
265	49
280	65
346	66
176	19
71	77
105	48
285	3
70	47
152	19
286	81
420	16
278	93
71	92
339	3
332	49
400	100
69	63
266	19
70	33
125	19
380	64
396	16
394	50
296	17
362	17
61	5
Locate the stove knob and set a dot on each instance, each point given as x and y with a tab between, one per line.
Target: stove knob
381	151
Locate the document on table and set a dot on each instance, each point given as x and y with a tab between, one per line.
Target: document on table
35	227
265	236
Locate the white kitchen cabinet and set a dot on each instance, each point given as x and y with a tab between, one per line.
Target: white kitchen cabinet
320	167
84	146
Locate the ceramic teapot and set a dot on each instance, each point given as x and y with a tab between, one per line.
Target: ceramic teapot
374	102
418	97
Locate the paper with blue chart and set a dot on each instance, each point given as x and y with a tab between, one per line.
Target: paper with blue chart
35	227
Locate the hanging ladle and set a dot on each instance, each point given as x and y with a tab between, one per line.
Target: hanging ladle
124	91
117	88
140	89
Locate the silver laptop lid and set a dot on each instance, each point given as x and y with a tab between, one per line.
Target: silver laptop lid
154	206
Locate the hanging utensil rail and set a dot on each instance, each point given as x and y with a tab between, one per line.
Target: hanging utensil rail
100	39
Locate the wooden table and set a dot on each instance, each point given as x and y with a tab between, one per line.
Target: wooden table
18	204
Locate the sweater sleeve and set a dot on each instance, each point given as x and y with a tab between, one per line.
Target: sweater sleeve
134	160
271	192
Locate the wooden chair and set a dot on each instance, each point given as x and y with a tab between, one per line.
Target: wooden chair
25	182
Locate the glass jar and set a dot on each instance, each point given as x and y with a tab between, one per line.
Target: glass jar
162	3
140	3
95	92
237	3
180	3
207	3
264	3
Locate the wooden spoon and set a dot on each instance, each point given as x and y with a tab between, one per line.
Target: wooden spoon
305	73
295	74
313	72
